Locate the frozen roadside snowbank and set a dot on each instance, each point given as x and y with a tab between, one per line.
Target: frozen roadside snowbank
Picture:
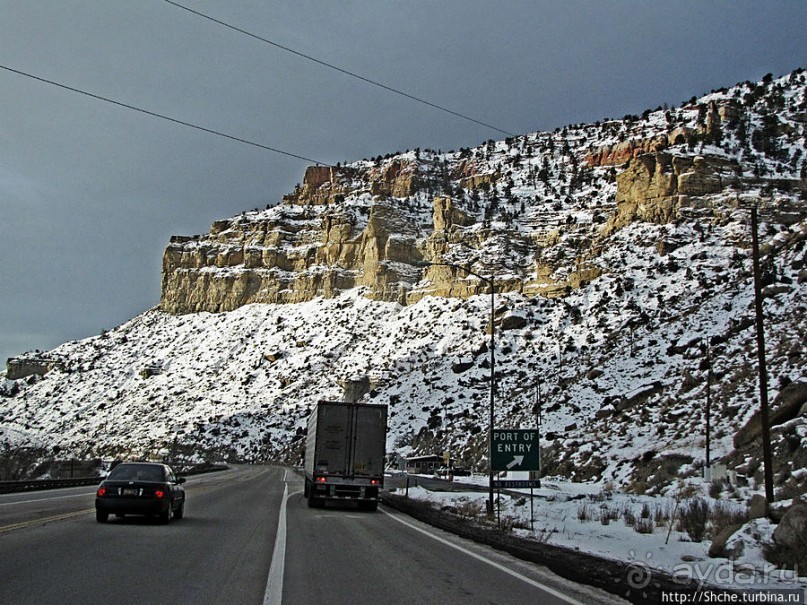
643	535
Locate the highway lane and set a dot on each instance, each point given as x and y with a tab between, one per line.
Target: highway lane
35	507
53	551
339	555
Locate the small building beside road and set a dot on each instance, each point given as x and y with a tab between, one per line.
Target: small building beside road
424	465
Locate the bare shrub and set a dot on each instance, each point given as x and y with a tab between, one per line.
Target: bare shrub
644	526
19	462
725	515
508	523
629	516
542	536
693	519
520	523
608	514
585	512
662	514
716	488
469	509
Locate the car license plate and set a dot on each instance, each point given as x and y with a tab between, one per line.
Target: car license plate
129	491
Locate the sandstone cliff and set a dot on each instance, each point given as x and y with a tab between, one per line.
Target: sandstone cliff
534	212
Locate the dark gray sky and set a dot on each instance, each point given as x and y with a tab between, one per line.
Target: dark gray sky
90	193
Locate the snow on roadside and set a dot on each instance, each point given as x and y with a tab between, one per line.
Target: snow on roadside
625	527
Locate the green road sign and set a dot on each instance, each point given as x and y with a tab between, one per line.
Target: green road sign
515	450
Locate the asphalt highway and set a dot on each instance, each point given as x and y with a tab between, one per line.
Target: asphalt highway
339	555
248	537
52	551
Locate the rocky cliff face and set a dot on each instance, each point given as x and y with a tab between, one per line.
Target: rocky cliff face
533	211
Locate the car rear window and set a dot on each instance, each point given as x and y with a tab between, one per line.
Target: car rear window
137	472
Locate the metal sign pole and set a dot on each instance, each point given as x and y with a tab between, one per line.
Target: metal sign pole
538	412
499	508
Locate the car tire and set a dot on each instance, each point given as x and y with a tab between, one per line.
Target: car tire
165	518
180	512
101	517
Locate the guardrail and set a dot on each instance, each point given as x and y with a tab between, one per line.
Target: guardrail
8	487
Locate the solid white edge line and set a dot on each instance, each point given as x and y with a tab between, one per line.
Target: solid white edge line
273	595
498	566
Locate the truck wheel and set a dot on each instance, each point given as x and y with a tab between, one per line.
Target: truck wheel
314	502
306	489
368	506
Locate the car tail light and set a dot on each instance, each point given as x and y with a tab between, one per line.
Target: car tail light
159	494
101	492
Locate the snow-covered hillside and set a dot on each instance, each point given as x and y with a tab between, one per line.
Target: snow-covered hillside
606	298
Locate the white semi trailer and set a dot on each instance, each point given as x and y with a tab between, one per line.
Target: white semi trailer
344	453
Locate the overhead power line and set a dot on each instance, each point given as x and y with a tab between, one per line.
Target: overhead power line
163	117
340	69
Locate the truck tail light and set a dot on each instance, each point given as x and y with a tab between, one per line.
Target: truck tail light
320	479
375	482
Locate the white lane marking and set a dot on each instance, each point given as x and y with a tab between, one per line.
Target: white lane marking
498	566
273	595
48	499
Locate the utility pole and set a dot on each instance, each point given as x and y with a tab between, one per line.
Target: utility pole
708	404
536	474
538	423
489	281
763	369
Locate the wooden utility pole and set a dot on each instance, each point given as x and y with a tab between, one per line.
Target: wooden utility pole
763	369
708	405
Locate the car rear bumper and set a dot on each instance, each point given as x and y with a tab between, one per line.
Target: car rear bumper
131	506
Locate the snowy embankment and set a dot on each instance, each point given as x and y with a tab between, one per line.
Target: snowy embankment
648	533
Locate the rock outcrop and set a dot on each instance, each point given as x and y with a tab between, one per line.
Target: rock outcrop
535	212
654	187
293	254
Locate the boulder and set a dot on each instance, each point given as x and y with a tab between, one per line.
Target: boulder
461	366
757	507
594	373
513	322
788	404
790	537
